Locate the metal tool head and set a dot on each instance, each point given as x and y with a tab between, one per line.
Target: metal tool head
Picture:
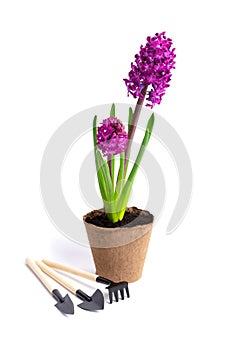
115	287
93	303
66	306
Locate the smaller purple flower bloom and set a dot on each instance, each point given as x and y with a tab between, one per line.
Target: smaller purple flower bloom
111	137
152	68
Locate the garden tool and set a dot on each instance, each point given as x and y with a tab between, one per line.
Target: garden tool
113	287
64	304
90	303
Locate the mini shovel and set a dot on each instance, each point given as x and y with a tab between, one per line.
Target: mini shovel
93	303
64	304
113	287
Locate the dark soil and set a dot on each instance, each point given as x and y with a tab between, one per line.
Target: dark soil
133	216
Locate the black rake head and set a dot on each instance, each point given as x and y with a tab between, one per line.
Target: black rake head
115	287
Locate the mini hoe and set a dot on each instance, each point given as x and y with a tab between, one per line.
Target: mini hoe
64	304
113	287
90	303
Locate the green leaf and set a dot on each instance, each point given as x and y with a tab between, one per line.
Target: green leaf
130	117
103	167
109	204
113	170
124	197
150	123
111	165
101	181
142	149
112	112
120	177
100	174
95	131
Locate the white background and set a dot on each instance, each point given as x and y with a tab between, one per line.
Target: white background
60	57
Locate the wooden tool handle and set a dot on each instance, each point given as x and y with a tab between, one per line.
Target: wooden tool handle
42	277
81	273
50	272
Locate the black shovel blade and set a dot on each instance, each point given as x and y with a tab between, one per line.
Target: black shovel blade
95	302
65	305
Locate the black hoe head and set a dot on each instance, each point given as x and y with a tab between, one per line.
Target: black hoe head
95	302
65	305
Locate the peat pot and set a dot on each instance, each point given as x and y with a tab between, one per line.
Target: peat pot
119	252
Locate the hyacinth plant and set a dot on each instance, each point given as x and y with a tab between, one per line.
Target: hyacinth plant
147	80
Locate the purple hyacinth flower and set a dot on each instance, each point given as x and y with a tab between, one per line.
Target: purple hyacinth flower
111	137
152	68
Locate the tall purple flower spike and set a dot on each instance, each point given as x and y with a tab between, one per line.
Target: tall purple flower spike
112	137
152	67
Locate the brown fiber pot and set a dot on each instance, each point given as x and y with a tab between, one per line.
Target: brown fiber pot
119	253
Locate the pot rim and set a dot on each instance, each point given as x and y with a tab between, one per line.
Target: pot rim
109	237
